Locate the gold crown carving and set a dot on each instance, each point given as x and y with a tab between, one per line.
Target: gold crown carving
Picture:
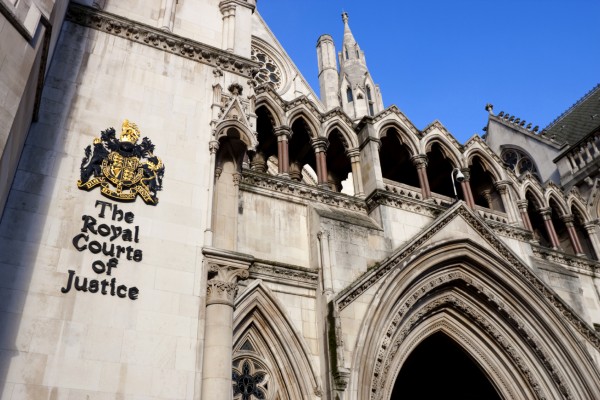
129	132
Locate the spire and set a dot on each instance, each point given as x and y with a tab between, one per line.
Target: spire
358	94
349	40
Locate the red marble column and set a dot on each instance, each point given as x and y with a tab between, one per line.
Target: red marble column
420	163
283	157
320	145
568	220
546	214
522	204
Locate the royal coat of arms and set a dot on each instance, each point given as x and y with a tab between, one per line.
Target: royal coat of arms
122	168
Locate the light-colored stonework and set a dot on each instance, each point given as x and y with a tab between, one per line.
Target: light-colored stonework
254	262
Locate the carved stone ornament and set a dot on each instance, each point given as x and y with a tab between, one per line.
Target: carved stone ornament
122	168
222	284
159	39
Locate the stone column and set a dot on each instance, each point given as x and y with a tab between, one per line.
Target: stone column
466	187
546	214
320	145
502	188
354	155
568	220
228	34
283	153
222	287
590	228
420	163
522	204
213	147
166	22
323	237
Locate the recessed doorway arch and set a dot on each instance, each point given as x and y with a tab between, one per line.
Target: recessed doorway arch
449	370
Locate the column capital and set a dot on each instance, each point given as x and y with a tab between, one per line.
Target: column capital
222	285
590	227
502	186
567	218
419	160
522	204
232	3
227	8
320	144
353	153
467	173
545	212
225	269
323	234
487	194
282	131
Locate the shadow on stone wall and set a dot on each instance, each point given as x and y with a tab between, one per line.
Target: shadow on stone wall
34	231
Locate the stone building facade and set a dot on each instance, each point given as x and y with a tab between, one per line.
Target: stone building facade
240	237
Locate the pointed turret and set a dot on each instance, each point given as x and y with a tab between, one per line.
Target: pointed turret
352	88
328	72
358	93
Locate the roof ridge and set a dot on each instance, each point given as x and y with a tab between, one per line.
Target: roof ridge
568	111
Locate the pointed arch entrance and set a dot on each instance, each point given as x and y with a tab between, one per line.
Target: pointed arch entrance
451	373
491	306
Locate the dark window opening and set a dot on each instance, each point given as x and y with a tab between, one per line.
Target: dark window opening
439	170
394	158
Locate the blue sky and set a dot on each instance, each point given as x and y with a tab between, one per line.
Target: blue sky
443	59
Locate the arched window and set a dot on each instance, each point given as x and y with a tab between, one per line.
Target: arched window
519	162
369	93
349	94
346	51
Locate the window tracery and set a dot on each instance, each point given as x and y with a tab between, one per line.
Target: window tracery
268	70
519	162
250	380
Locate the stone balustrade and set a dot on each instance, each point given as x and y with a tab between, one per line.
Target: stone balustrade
584	153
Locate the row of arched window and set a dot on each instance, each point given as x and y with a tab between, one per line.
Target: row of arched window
296	153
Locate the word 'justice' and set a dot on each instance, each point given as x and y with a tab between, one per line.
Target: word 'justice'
98	236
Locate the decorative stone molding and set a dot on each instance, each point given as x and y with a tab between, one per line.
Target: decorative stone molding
519	125
491	215
284	273
398	331
509	231
389	111
438	125
404	199
160	39
573	263
268	185
400	259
